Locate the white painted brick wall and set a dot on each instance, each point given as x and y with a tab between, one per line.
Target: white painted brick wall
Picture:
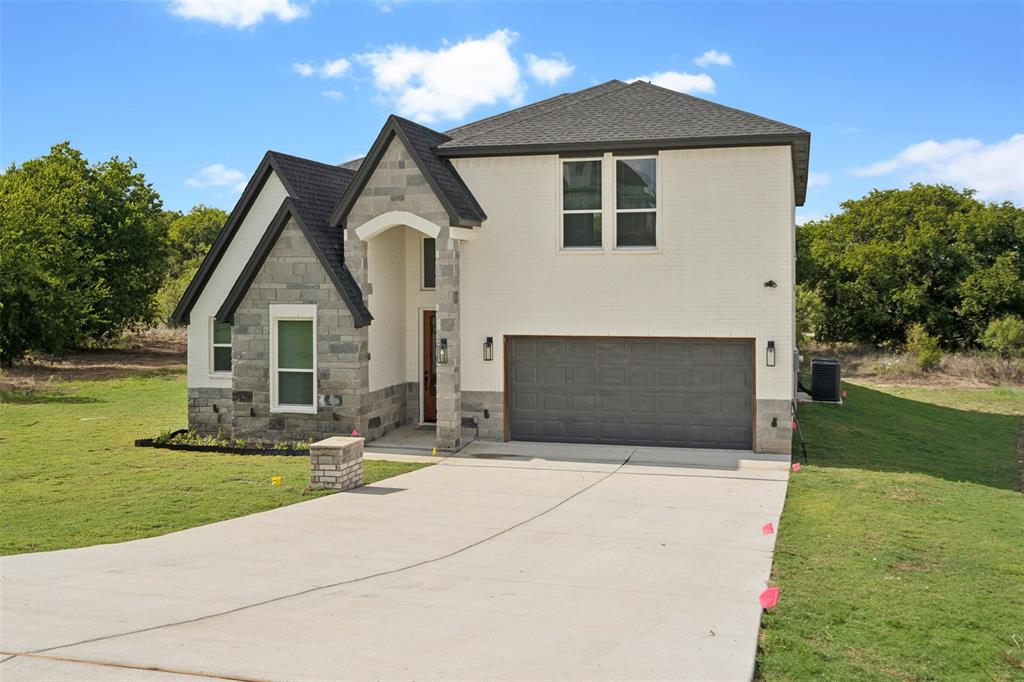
223	278
726	227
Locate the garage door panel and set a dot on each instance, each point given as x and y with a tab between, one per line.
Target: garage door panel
671	392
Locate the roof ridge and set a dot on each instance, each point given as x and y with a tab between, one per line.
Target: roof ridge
304	159
717	104
544	113
401	120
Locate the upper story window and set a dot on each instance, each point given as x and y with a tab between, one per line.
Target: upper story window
221	350
581	204
636	202
429	263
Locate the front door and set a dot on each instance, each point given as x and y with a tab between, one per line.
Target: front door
429	373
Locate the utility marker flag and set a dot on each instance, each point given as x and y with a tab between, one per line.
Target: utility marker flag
768	528
796	466
770	597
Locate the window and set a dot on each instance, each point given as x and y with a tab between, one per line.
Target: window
636	202
429	263
581	204
221	346
293	351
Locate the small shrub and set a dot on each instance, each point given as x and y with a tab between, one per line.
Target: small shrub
1004	337
924	347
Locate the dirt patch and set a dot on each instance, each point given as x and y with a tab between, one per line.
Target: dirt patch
902	494
890	368
155	351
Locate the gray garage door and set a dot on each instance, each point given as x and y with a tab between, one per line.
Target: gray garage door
635	391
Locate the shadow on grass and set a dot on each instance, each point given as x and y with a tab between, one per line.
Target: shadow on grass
877	431
44	397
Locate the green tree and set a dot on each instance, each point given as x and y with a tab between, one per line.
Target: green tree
928	255
82	252
190	235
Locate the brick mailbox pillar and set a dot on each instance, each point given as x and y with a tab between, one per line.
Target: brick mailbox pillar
337	463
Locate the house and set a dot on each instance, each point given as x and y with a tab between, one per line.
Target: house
614	265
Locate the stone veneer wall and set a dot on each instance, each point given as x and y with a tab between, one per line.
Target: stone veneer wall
774	439
473	405
388	408
397	185
209	410
292	274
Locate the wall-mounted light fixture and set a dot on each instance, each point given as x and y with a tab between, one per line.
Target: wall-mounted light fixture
770	284
442	352
769	356
489	348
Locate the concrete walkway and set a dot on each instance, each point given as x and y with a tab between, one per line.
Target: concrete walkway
511	561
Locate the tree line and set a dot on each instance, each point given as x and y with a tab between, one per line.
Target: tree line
87	253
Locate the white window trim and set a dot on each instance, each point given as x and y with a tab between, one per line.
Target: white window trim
219	374
295	311
615	211
423	273
562	212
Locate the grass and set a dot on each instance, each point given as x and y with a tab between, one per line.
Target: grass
901	548
70	475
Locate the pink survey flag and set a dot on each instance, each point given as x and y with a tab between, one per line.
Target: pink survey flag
768	528
796	466
770	597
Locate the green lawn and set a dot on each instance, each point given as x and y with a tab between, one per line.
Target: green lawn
901	548
70	475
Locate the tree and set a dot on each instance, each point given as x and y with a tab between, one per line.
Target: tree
190	237
928	255
82	252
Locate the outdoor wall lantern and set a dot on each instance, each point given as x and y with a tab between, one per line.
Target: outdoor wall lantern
769	357
489	348
442	352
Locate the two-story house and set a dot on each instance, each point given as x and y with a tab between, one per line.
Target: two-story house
614	265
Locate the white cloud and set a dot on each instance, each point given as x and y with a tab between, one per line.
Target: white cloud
802	218
995	170
683	82
549	70
329	69
818	179
449	82
218	175
238	13
714	57
336	95
336	68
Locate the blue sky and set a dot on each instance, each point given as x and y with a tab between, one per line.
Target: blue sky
197	90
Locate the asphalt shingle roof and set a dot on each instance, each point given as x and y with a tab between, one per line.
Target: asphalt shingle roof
423	142
314	188
635	112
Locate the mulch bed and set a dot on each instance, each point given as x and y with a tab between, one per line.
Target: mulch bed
229	449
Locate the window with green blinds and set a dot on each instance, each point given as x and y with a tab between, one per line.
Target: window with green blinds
295	362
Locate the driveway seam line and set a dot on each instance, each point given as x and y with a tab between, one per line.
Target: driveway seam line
351	581
129	666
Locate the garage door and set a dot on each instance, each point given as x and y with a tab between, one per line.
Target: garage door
631	391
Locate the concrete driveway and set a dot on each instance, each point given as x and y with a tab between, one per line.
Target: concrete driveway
514	562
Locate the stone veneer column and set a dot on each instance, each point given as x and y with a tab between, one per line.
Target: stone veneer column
449	399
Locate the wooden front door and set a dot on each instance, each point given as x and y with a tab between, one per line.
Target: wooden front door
429	373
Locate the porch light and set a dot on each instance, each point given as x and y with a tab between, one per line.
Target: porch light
489	348
769	357
442	352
